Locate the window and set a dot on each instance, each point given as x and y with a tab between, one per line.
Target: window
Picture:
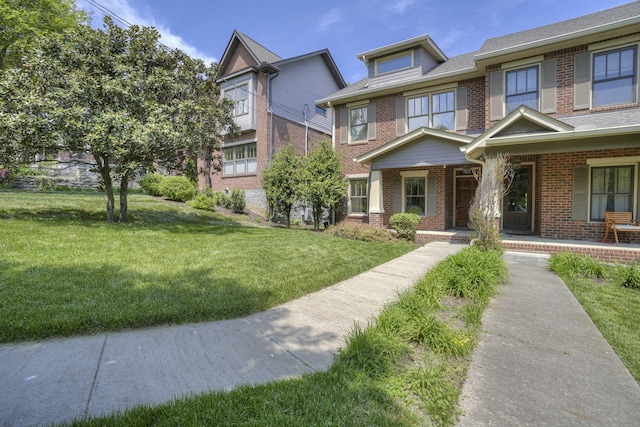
522	88
442	111
240	96
414	195
358	123
614	77
239	160
358	196
321	111
611	190
394	63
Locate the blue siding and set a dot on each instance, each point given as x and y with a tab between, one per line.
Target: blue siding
301	83
426	152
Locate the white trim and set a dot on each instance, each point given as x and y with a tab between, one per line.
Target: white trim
233	144
428	91
357	214
614	161
357	176
615	43
358	103
522	63
414	174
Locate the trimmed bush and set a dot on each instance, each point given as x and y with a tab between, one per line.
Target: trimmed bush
151	184
203	202
177	188
362	232
405	225
237	201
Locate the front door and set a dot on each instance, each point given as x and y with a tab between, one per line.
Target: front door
465	191
517	203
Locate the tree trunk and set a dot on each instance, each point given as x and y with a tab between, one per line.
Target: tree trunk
317	216
105	173
124	188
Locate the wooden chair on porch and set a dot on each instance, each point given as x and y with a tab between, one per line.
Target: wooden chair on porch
620	221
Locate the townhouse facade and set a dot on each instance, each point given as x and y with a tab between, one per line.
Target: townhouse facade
275	105
560	100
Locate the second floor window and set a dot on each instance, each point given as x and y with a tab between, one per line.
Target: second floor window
614	77
239	160
358	123
522	88
240	96
394	63
436	111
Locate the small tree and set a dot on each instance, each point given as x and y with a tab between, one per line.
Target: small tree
484	213
280	182
322	182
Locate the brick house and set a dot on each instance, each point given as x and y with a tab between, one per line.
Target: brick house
561	100
275	105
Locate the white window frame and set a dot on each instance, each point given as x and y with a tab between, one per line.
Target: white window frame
365	108
631	161
389	58
234	89
352	178
431	113
634	75
240	166
507	72
413	175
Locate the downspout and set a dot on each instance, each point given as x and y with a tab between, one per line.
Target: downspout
270	77
305	111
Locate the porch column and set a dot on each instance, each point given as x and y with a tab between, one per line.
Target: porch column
375	193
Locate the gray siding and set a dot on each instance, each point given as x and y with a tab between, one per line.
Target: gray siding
427	152
301	83
422	58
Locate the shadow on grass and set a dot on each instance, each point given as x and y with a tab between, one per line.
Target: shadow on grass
43	301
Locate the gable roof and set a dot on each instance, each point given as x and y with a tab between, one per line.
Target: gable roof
596	23
325	55
424	41
412	136
258	52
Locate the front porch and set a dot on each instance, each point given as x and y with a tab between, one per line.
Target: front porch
608	251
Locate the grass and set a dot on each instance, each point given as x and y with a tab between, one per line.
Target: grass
406	368
610	294
65	271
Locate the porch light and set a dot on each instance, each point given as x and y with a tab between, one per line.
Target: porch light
466	170
516	164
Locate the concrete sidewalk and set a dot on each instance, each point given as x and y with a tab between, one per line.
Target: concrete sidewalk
59	380
541	360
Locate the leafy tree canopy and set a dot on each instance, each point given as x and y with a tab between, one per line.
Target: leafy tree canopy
281	181
23	22
117	95
322	179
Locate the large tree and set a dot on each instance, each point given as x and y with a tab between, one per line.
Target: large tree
117	95
23	22
281	182
322	181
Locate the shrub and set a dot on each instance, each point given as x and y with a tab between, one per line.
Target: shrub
405	225
571	265
237	201
628	276
177	188
151	184
203	202
362	232
6	178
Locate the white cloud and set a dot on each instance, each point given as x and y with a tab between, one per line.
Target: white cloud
400	6
123	10
328	19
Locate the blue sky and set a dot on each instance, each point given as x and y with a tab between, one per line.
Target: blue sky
202	28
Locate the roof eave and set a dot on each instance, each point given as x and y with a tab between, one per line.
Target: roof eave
557	39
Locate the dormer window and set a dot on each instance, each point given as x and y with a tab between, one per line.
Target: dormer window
394	63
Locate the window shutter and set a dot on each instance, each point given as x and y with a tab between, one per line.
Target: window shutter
344	127
581	81
496	95
371	121
397	194
431	195
400	116
548	90
579	206
462	112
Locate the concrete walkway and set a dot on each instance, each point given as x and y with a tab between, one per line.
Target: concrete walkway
541	360
59	380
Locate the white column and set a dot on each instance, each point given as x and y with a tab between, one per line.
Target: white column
375	192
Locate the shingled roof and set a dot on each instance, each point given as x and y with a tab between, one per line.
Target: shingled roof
627	14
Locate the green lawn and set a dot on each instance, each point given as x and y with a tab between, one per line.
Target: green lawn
65	271
614	309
